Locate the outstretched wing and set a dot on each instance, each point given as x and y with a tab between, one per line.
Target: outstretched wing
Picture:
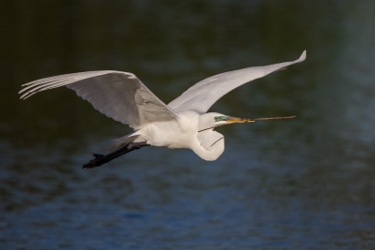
201	96
119	95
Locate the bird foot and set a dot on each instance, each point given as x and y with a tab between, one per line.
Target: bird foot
98	160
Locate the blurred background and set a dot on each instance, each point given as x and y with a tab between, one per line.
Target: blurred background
306	183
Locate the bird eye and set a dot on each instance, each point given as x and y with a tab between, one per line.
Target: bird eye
216	118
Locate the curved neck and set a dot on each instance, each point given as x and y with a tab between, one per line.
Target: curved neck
210	145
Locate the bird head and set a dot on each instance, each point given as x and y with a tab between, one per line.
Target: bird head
213	120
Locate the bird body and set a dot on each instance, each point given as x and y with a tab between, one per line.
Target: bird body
183	123
171	134
190	130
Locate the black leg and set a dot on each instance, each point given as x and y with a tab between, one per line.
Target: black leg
101	159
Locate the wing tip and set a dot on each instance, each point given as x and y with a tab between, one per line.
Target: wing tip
302	57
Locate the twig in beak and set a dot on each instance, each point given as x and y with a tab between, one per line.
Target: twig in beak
274	118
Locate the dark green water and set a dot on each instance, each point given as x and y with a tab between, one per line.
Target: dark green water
307	183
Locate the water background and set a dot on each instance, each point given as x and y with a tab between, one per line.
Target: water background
307	183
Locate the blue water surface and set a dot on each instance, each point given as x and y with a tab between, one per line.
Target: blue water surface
305	183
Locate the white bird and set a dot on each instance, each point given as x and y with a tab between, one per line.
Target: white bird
183	123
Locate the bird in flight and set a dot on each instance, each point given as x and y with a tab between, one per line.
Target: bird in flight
183	123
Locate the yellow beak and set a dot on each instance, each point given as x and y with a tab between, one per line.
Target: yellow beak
232	120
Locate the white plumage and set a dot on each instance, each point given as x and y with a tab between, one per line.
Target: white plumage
183	123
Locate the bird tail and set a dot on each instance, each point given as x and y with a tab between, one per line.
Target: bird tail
118	143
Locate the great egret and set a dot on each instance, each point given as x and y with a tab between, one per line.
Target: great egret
183	123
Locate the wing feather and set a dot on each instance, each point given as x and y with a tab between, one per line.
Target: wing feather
201	96
119	95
